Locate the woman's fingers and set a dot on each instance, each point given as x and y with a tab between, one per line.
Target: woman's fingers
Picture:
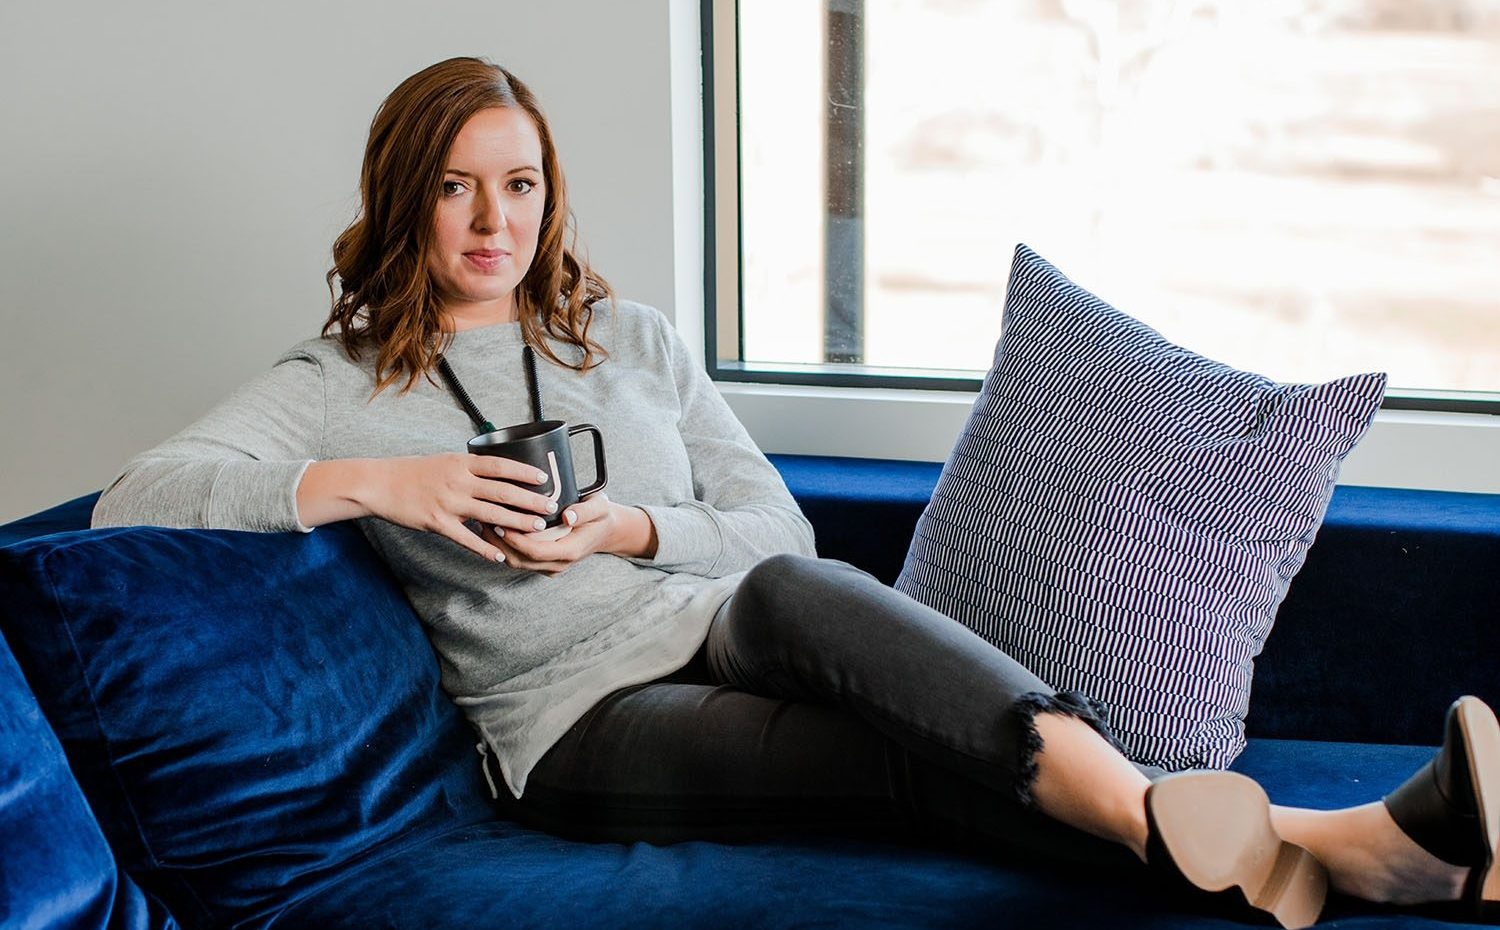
497	476
460	533
497	466
448	494
517	559
496	515
593	507
535	550
502	492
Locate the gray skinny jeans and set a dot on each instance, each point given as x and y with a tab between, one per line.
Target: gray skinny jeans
821	702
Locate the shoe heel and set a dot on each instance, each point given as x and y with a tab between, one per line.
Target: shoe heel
1482	734
1216	827
1482	892
1295	890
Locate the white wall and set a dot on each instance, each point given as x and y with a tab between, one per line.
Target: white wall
174	174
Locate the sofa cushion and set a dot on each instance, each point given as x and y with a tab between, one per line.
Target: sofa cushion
248	713
55	867
496	874
1123	516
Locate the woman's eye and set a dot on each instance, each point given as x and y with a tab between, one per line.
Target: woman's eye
446	183
529	185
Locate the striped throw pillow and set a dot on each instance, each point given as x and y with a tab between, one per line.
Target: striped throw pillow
1123	516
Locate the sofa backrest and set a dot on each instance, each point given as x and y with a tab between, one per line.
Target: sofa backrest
1395	612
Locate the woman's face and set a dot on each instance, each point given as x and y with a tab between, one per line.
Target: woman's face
489	212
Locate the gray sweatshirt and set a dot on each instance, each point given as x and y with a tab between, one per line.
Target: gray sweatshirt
522	653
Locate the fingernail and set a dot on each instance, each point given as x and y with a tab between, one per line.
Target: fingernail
540	524
500	532
541	476
571	517
552	506
499	557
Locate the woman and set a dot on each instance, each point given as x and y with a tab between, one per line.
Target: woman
678	663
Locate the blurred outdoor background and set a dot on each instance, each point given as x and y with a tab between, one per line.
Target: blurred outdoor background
1304	189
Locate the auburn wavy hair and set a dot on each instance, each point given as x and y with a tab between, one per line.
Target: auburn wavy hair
385	294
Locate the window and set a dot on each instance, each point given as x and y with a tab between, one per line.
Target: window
1306	189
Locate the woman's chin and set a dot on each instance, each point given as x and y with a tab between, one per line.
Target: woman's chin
484	291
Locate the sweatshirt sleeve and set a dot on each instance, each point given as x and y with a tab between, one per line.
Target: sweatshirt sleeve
237	467
742	511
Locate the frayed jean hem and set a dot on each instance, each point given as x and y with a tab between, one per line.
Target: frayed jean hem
1074	704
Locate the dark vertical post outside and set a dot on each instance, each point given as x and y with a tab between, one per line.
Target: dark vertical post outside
844	237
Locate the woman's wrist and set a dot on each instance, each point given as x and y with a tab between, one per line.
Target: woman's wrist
635	534
337	489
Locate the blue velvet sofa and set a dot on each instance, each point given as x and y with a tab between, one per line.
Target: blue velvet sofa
218	728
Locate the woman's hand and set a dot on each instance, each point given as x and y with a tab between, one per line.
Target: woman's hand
595	523
439	493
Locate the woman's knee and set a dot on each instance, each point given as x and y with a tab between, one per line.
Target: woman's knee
761	599
773	570
769	600
799	578
789	598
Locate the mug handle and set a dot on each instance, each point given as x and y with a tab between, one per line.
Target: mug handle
600	472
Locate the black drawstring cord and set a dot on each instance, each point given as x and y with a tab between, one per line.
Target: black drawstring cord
536	394
480	423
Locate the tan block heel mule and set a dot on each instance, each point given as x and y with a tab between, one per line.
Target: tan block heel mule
1213	832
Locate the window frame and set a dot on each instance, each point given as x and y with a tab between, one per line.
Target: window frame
723	260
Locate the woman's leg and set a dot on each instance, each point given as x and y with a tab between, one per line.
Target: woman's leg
1368	856
823	631
682	758
1086	783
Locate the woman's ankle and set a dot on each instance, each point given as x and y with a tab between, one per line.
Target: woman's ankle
1368	856
1084	782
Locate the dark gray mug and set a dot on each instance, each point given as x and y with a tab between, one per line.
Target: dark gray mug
544	444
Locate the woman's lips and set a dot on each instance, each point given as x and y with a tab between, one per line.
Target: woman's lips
486	259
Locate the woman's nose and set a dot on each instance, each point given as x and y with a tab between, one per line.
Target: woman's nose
490	215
